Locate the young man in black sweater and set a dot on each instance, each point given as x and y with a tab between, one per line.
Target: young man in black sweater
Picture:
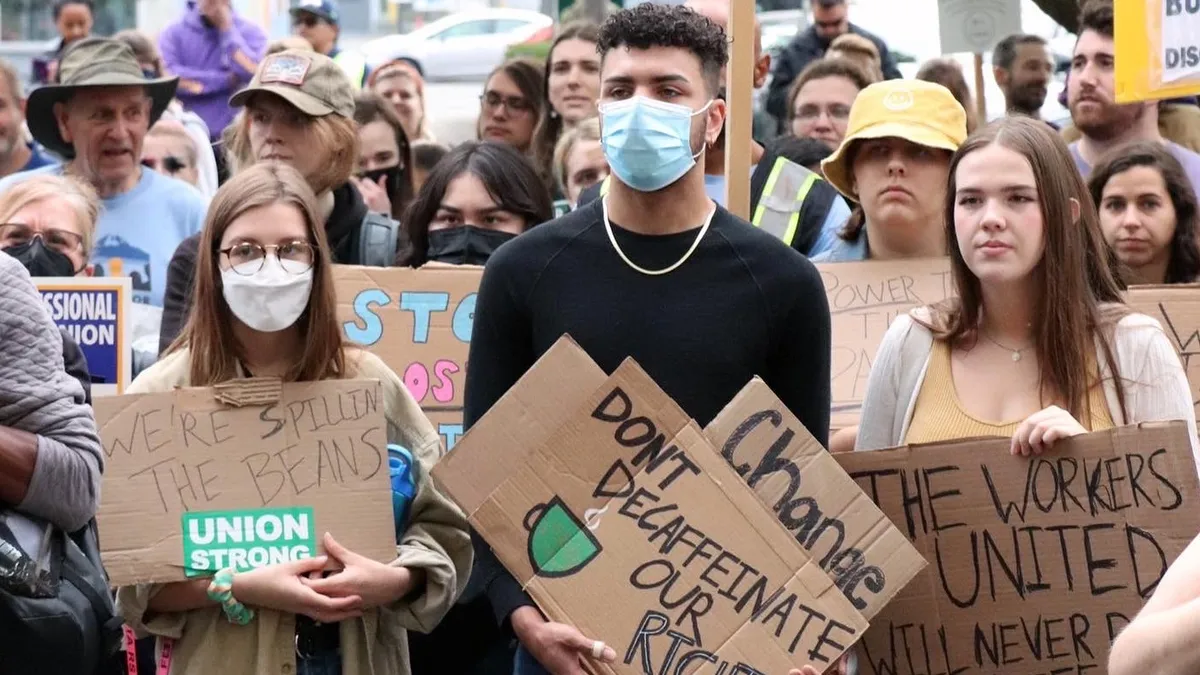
655	271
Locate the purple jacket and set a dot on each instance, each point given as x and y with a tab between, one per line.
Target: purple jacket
203	59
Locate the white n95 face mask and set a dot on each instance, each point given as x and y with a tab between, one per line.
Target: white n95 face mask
269	300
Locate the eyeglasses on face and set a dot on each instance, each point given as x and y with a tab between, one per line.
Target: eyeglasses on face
58	239
306	20
810	112
514	104
247	258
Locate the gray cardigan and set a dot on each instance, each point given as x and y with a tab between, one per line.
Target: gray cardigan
1154	382
38	396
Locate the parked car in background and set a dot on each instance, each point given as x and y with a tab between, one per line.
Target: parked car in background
464	45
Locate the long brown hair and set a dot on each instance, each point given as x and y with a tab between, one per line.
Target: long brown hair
949	74
550	127
208	335
1075	274
371	107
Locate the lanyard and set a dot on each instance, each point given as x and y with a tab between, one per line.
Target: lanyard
164	647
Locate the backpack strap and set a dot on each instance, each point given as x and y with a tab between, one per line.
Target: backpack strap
377	240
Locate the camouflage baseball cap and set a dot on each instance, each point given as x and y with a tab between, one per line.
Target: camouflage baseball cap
311	82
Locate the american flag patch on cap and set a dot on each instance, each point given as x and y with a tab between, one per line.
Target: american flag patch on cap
285	68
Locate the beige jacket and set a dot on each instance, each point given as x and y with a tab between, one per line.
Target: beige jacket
437	541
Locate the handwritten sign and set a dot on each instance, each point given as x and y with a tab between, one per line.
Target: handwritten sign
97	312
1035	563
864	298
1177	309
976	25
619	517
419	322
867	557
1157	49
319	445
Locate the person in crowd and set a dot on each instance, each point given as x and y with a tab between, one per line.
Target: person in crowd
1103	123
16	154
307	122
1148	214
572	87
893	163
401	84
48	224
97	116
807	152
512	103
73	19
287	42
152	65
949	74
426	155
49	447
820	100
169	150
1037	314
858	50
384	157
830	19
1163	638
656	246
318	21
579	160
265	306
1023	67
477	198
214	52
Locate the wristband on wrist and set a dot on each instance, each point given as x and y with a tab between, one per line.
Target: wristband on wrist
220	590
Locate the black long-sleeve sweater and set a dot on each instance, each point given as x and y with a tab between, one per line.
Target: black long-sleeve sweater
744	304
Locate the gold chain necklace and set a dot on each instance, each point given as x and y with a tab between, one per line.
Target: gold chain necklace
666	270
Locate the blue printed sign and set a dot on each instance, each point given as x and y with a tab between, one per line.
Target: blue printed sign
96	312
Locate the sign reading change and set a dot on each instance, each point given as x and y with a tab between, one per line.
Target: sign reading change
193	482
1036	563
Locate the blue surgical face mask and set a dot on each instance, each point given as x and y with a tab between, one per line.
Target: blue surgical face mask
648	143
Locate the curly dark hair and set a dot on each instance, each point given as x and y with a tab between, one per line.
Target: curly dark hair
652	25
1183	265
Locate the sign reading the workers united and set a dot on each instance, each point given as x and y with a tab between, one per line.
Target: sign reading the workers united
246	539
96	313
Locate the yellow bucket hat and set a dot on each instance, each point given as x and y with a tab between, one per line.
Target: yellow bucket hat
919	112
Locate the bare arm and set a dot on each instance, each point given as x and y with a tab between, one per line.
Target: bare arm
180	596
1164	638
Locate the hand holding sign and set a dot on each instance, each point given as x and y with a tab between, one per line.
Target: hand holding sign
558	647
374	583
280	587
1040	430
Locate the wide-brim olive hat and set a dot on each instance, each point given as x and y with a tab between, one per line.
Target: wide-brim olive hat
92	63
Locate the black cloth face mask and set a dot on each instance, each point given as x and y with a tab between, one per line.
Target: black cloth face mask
40	260
393	176
465	245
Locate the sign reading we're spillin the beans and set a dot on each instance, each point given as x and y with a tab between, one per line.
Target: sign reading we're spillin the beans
245	474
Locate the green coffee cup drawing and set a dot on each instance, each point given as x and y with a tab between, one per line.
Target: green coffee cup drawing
559	543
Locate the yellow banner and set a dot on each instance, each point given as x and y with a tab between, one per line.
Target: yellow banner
1157	44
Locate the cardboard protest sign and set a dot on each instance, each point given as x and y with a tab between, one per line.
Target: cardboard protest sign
619	517
864	298
1036	563
868	558
1177	309
194	482
1157	45
419	322
97	313
976	25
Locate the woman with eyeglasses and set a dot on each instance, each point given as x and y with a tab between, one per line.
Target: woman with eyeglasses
820	100
512	104
265	307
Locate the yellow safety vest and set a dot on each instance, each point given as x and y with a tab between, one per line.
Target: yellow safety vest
353	65
778	211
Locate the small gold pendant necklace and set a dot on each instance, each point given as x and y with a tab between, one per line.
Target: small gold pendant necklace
1016	353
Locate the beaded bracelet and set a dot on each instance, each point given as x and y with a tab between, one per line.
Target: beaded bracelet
221	591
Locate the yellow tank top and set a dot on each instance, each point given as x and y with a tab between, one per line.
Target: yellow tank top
939	415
